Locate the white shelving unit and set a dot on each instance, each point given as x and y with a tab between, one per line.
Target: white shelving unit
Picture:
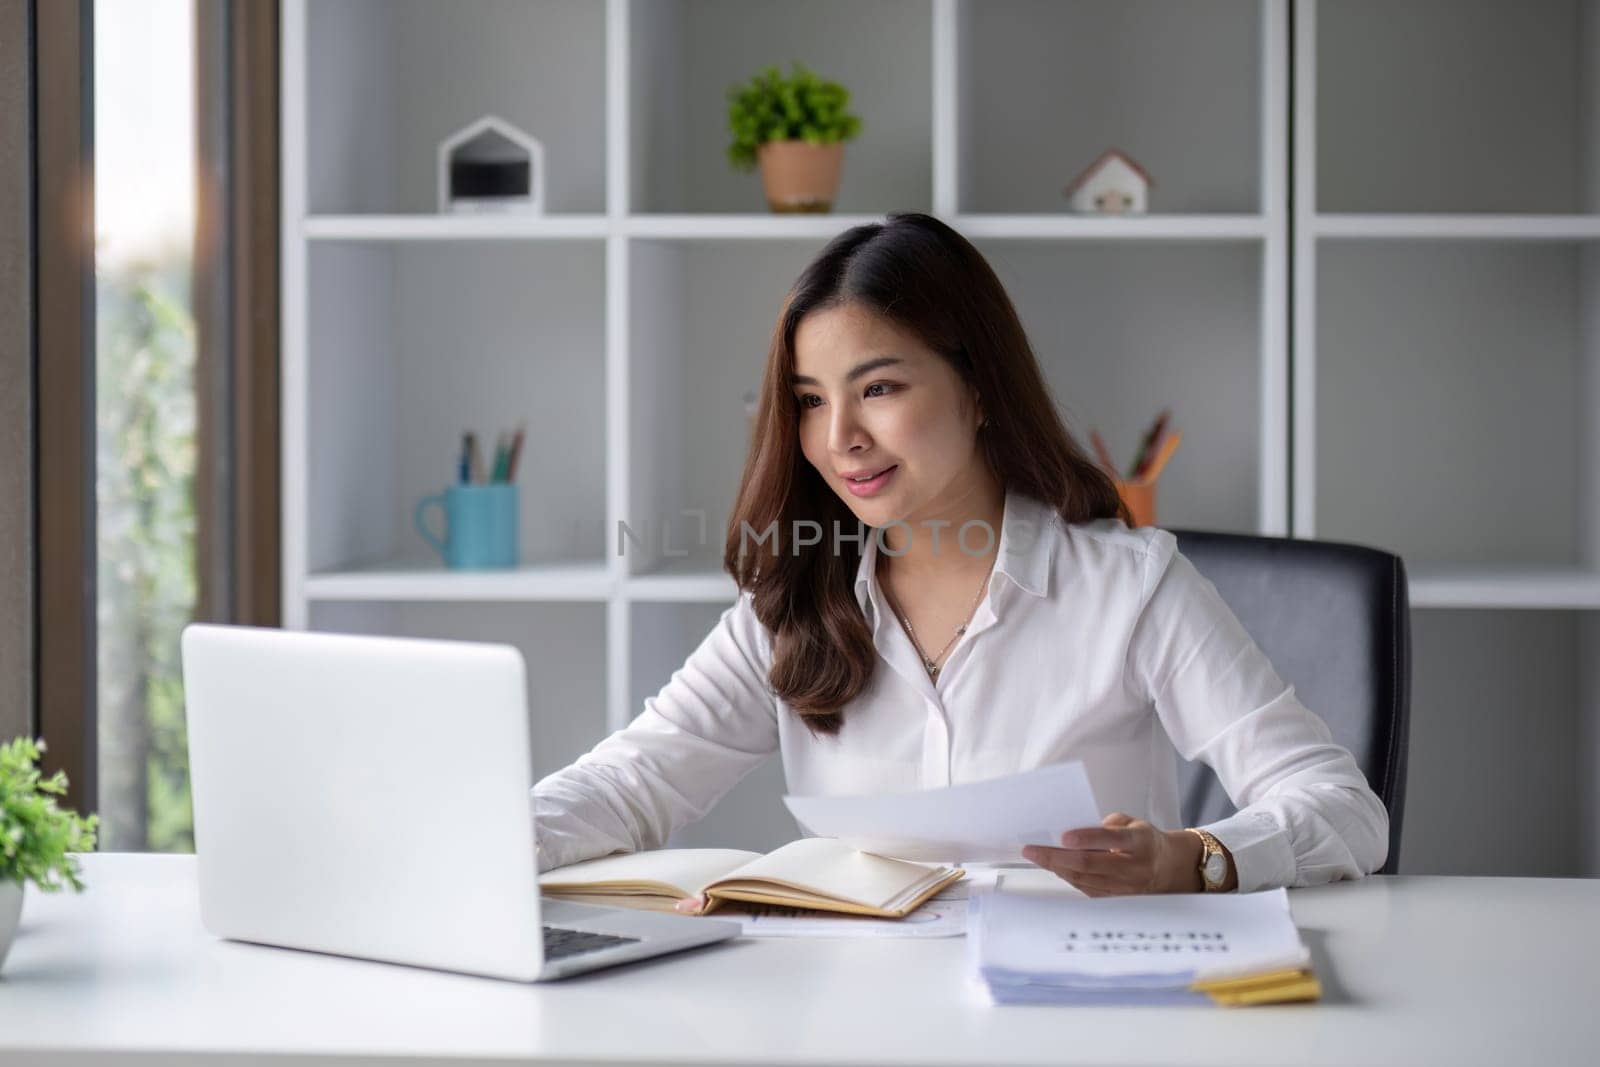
1460	274
1445	365
1447	386
627	323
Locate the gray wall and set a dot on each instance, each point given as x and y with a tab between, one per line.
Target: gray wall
16	380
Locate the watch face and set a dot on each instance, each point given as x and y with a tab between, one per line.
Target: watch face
1216	868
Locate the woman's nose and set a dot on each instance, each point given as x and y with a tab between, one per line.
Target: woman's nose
845	432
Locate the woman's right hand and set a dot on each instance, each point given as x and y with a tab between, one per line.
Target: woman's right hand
691	905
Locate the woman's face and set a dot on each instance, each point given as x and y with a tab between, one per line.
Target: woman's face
875	401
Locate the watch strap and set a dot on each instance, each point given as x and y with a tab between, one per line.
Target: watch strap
1212	847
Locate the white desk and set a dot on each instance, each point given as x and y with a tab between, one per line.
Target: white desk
1481	970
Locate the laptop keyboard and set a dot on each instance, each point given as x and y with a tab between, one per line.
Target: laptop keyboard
560	942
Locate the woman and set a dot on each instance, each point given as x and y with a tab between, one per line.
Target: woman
938	586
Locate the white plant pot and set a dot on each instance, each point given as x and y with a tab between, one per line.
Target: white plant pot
10	913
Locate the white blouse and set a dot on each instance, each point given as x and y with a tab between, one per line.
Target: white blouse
1094	642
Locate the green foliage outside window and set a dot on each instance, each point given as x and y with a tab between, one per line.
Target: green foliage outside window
147	565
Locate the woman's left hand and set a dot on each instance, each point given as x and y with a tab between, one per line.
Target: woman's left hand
1124	855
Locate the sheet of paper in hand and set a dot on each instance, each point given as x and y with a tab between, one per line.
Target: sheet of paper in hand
986	821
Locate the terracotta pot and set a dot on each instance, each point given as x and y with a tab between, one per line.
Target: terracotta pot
800	177
10	913
1141	500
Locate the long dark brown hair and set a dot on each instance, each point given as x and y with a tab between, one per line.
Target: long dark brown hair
929	280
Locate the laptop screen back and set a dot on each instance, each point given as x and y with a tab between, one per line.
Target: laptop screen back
366	796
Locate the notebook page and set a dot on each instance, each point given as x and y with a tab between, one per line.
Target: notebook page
686	870
827	867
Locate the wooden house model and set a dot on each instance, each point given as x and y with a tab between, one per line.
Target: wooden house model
1112	185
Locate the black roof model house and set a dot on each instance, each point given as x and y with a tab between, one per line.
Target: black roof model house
491	166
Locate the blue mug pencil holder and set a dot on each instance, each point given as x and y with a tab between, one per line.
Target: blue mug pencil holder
480	525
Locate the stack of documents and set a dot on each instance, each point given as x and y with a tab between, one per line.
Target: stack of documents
1052	948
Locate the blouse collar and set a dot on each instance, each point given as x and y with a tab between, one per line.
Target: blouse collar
1024	554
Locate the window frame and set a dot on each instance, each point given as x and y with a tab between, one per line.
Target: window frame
64	343
17	602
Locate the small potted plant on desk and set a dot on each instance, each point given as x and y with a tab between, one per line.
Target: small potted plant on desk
795	128
35	835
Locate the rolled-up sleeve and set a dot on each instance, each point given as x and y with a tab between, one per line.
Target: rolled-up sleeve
711	724
1306	814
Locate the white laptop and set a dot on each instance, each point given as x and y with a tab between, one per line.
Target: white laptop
371	797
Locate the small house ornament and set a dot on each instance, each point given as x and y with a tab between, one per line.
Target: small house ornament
1112	185
491	167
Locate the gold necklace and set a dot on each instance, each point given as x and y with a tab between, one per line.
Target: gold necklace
932	665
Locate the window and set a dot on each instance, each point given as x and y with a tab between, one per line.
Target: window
145	418
157	356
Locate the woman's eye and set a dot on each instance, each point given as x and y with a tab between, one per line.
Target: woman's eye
806	400
885	386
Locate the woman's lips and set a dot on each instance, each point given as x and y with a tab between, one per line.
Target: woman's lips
873	486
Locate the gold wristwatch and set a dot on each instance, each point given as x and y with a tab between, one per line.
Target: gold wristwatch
1213	864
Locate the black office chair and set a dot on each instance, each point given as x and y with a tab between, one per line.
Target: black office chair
1334	619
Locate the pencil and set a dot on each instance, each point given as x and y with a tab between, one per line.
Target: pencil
499	471
516	453
1147	448
474	459
1103	452
1168	447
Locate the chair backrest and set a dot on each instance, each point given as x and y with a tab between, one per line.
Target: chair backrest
1334	619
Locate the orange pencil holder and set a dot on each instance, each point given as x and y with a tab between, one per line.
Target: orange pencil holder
1140	497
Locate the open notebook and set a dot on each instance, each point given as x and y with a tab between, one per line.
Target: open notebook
814	872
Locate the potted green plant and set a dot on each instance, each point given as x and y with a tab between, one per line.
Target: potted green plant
36	837
795	128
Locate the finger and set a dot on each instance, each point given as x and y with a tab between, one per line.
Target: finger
1091	861
1049	859
1085	859
1123	877
690	905
1117	819
1098	863
1094	837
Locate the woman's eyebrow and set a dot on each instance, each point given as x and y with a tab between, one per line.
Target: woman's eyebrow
865	367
